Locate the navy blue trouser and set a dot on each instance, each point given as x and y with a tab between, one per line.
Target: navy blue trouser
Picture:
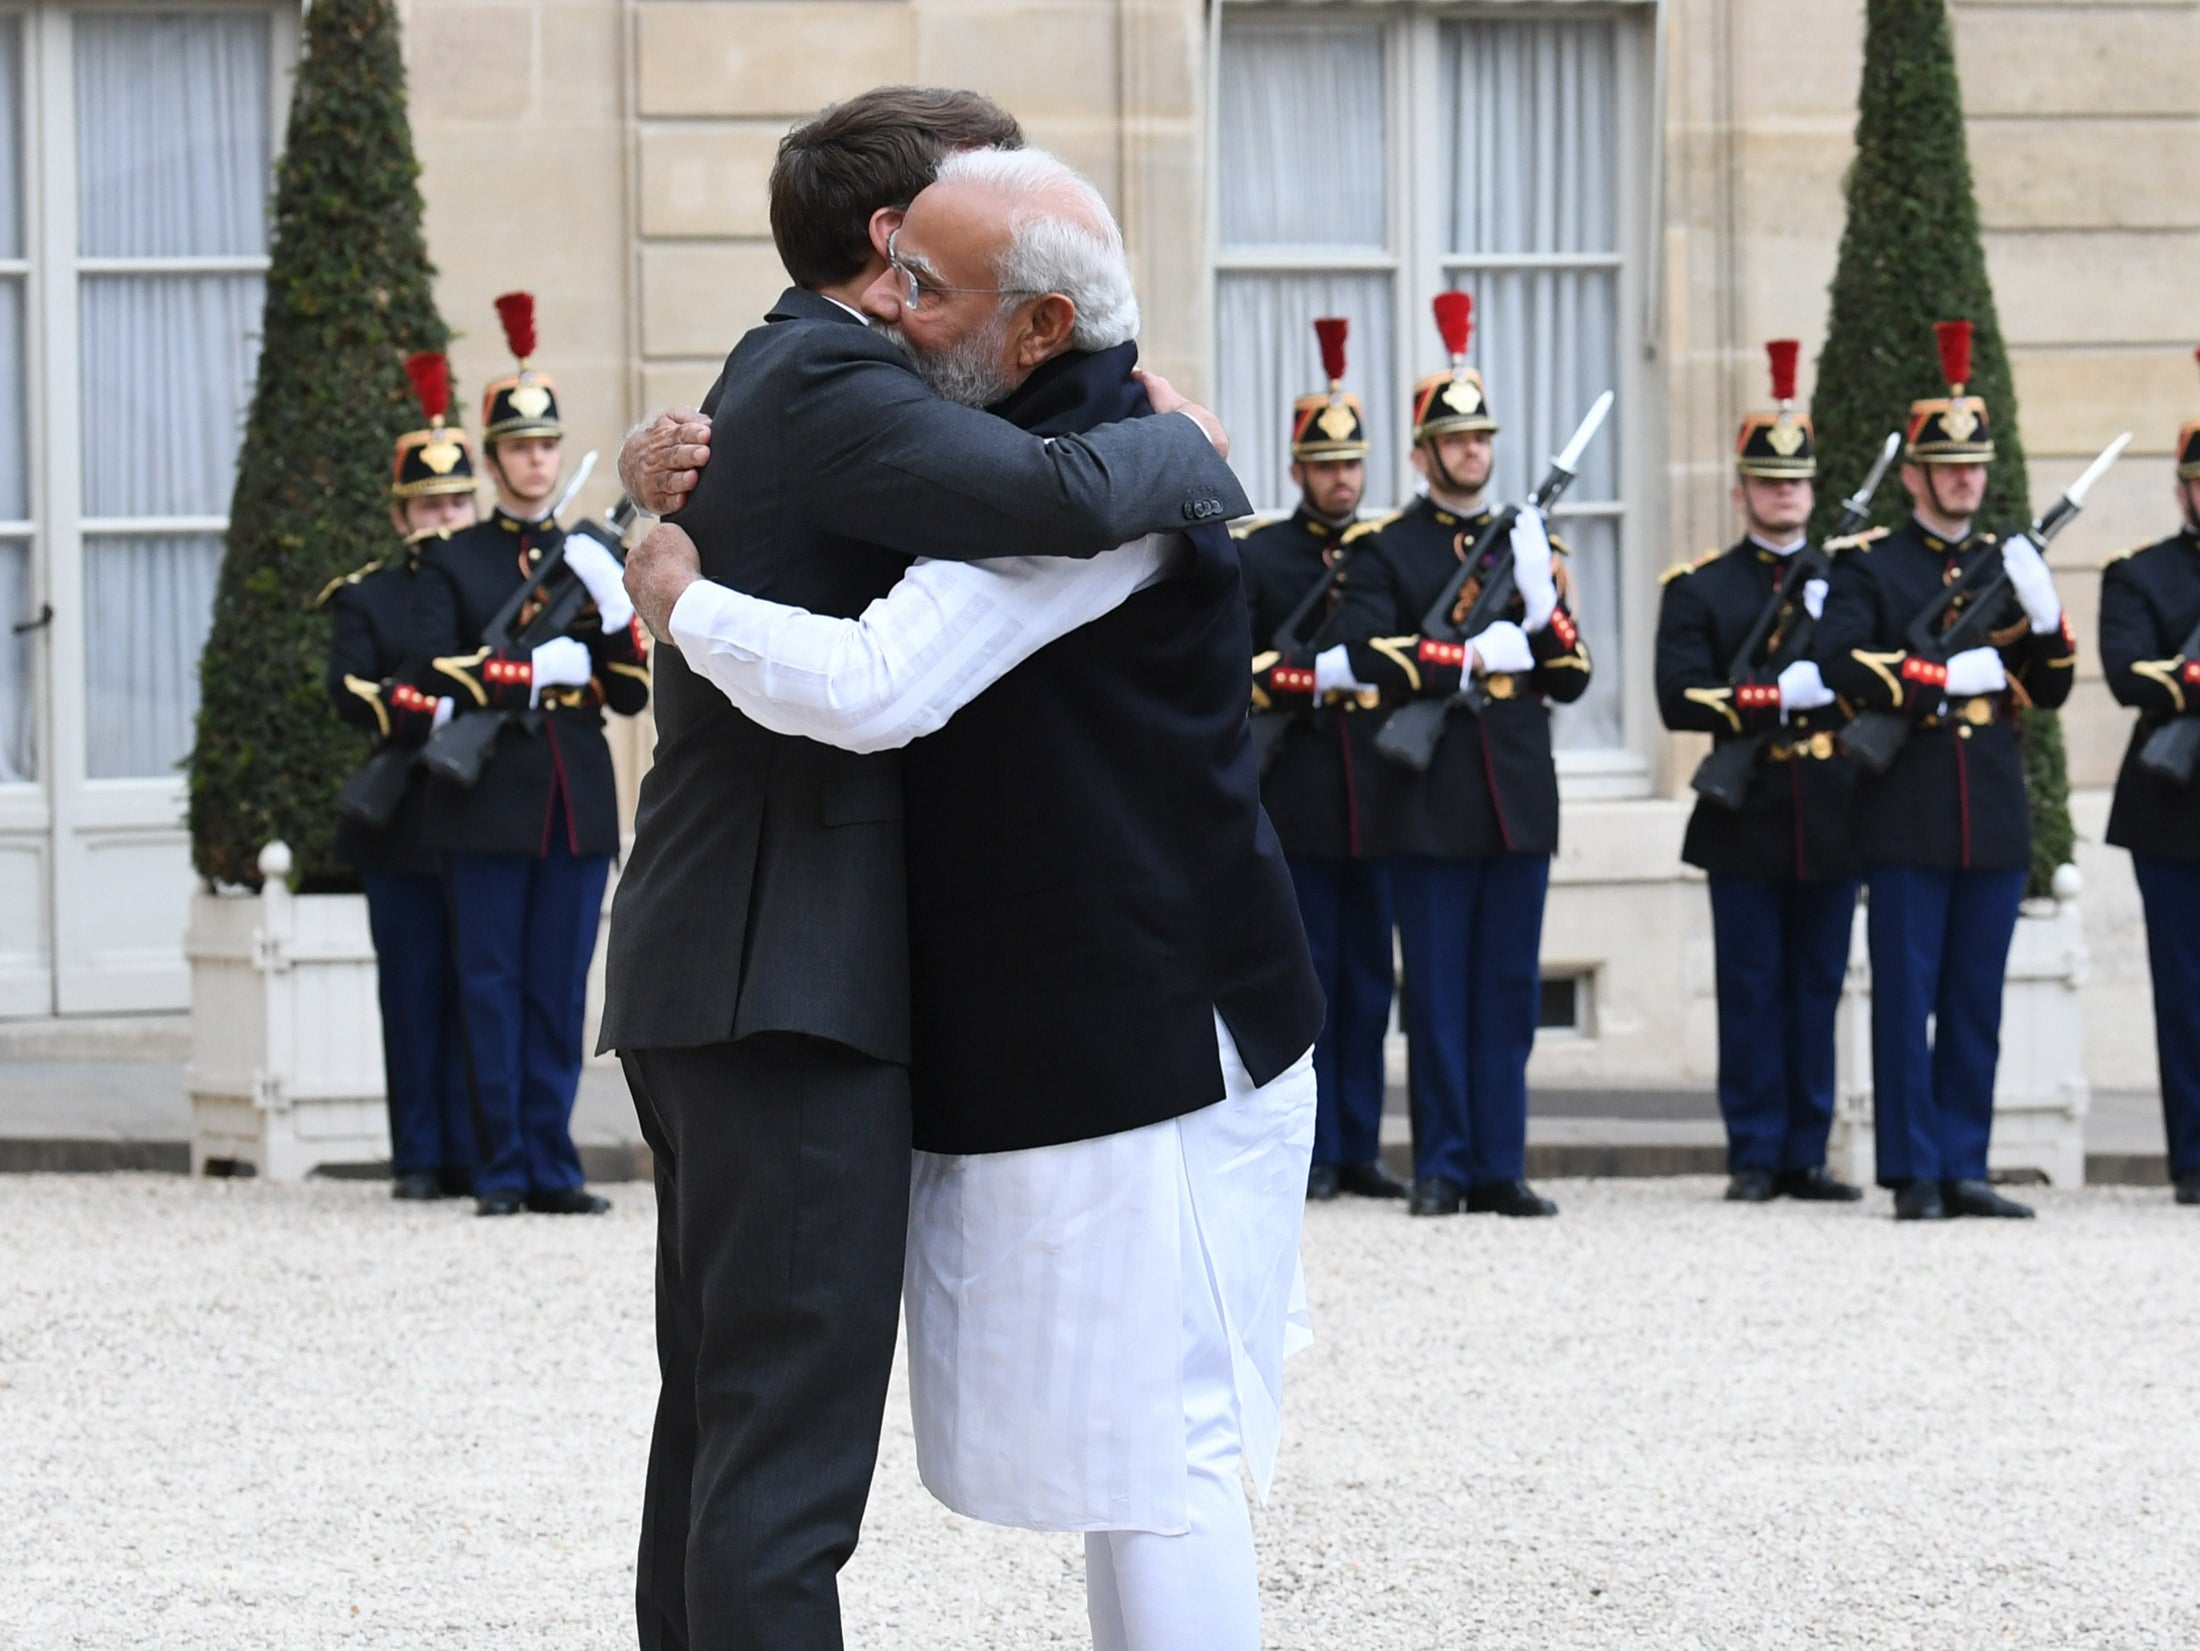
1783	948
1345	905
423	1057
1940	949
526	932
2170	891
1470	932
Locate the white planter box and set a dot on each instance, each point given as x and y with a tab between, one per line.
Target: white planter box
286	1032
2041	1095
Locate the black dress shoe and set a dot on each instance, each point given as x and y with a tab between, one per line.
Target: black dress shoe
456	1183
499	1203
1978	1199
1436	1195
415	1188
1515	1198
1816	1185
2188	1189
1321	1183
1371	1180
1751	1186
567	1201
1919	1201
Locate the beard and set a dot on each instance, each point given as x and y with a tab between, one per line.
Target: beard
967	372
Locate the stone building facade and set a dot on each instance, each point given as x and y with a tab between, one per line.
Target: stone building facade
611	155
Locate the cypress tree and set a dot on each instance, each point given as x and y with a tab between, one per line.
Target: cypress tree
349	295
1911	255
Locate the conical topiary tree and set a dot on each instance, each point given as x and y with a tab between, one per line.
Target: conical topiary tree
349	294
1910	256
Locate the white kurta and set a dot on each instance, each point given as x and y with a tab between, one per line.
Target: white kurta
1050	1292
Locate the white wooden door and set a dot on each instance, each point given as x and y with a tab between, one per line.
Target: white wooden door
147	139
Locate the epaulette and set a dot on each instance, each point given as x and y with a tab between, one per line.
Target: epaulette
2123	555
1360	530
1678	568
329	590
1855	541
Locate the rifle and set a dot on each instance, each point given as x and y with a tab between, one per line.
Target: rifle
2172	751
1723	776
1875	738
1269	727
1414	730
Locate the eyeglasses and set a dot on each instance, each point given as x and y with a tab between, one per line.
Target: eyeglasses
918	288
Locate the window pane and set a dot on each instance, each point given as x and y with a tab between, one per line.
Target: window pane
168	365
1547	345
11	136
1301	137
1530	135
15	494
1592	723
18	749
172	133
1267	357
148	603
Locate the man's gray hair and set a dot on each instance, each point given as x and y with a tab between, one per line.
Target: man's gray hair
1062	238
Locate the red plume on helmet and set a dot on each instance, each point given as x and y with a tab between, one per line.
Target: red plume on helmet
1782	353
1955	352
1330	329
517	311
1455	321
431	381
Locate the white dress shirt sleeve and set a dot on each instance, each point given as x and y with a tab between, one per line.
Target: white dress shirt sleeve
917	655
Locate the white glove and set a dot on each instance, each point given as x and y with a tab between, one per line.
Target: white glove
1976	671
561	662
1502	648
443	710
1814	598
1333	670
2035	585
1531	551
1802	688
601	572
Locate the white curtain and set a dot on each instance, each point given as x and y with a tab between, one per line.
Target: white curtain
172	161
1300	141
1531	166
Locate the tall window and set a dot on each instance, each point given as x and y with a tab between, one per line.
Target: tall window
18	742
172	158
1364	166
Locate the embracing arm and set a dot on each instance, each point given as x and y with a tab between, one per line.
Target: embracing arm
943	635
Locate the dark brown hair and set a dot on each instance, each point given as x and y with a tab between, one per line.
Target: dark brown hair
878	149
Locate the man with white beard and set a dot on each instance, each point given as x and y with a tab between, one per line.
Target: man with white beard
1113	1008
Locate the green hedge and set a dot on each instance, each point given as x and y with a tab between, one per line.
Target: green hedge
349	295
1910	256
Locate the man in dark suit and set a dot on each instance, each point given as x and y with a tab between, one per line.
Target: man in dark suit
759	986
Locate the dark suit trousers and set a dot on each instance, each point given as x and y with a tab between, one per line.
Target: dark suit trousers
782	1166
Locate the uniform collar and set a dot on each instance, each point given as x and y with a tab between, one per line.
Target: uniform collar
1453	518
1313	526
1938	544
1772	555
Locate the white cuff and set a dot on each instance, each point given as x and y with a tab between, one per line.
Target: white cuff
706	614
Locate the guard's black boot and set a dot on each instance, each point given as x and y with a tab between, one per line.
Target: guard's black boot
1978	1199
2188	1189
416	1188
1436	1195
1919	1201
1515	1198
1370	1180
1816	1185
567	1201
1321	1183
499	1203
1751	1186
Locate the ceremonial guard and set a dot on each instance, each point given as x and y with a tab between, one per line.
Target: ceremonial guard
1774	825
529	839
2150	650
1943	829
1317	781
1471	836
375	657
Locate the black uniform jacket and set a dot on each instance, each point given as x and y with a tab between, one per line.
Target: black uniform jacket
374	661
1798	818
543	753
1492	788
1320	786
1954	798
767	889
2150	600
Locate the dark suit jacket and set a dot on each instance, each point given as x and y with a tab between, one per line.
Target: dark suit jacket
766	889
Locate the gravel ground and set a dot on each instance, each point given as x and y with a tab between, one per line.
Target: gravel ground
236	1415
